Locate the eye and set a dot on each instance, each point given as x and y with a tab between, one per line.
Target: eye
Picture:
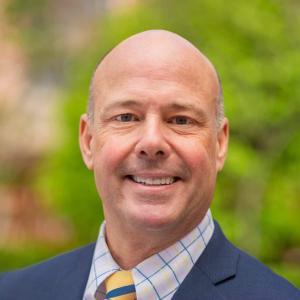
180	120
126	117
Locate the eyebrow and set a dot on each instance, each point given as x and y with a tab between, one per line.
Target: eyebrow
174	106
122	103
187	107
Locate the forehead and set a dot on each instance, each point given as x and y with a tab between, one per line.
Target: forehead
147	68
145	90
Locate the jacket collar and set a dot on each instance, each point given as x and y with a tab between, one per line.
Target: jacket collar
217	264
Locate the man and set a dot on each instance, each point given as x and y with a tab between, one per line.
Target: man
155	137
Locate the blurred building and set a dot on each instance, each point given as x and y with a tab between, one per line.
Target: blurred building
27	120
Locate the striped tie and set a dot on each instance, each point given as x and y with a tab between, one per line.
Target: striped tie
120	286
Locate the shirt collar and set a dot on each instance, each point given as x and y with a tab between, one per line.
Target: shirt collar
158	276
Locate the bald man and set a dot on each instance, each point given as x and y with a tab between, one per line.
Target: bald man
155	137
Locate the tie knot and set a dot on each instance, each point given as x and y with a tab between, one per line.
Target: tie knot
120	286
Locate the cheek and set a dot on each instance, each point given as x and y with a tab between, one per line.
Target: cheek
109	153
106	159
199	155
199	164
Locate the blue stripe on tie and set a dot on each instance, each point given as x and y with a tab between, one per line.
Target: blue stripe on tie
121	291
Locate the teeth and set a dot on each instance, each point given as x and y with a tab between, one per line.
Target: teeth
154	181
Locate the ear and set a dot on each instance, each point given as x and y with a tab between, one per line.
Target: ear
222	144
86	141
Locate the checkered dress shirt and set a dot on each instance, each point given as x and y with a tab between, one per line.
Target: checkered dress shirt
160	275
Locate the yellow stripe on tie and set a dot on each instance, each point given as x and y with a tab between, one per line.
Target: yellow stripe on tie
120	286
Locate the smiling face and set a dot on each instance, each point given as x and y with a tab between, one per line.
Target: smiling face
154	145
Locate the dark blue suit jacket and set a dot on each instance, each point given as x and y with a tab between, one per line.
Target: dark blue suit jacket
222	272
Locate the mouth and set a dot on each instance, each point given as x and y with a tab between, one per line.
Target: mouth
153	181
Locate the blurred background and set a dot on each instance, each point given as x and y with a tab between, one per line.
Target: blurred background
49	49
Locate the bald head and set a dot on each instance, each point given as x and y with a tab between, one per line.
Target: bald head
157	54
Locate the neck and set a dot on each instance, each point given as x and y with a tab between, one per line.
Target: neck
130	246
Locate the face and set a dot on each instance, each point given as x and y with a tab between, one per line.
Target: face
154	146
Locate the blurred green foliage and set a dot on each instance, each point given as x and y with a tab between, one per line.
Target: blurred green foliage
255	47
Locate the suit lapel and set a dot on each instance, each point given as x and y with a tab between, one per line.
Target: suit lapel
197	286
218	263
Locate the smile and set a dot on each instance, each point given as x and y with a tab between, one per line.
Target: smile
156	181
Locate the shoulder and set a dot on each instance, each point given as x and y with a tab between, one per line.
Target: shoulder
252	274
47	275
57	264
240	276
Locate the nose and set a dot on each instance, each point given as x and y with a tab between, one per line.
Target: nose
152	143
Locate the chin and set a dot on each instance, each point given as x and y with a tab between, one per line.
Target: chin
154	222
